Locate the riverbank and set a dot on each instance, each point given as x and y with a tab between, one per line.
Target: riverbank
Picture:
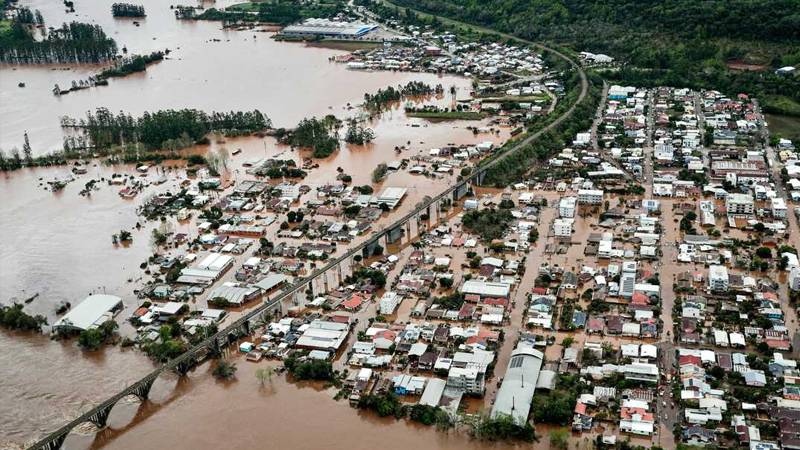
447	115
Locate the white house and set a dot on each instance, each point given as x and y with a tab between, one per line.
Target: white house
590	196
718	278
739	204
563	227
566	207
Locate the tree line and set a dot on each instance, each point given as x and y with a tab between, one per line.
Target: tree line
513	167
14	318
72	43
104	129
279	12
127	10
127	66
377	101
26	16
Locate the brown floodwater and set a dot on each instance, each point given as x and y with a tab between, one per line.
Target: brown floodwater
202	412
57	246
209	69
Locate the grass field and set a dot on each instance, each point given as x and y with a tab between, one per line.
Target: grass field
447	115
244	7
779	104
784	126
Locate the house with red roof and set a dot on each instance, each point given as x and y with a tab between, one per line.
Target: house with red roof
353	303
636	420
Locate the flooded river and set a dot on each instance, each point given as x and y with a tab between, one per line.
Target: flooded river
209	69
200	413
57	246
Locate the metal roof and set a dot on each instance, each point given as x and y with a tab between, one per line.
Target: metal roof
91	312
516	393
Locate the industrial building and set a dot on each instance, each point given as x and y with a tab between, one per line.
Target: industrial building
486	289
516	393
390	196
323	335
329	28
92	312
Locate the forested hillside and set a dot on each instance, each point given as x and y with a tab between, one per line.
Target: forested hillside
688	42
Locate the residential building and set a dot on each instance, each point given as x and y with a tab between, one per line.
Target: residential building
636	420
563	227
794	279
566	207
718	280
778	207
641	372
739	204
590	196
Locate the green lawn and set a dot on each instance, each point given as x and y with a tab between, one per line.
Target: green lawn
779	104
447	115
245	7
784	126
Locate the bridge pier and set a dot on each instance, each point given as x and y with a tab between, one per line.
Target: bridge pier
298	298
53	442
318	285
477	180
459	191
183	367
215	349
142	392
100	417
393	235
369	249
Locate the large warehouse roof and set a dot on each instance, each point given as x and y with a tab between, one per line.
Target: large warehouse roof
516	393
325	27
91	312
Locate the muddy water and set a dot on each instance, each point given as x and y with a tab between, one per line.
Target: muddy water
244	415
44	384
59	245
209	69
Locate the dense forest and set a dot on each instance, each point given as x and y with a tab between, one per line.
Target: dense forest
280	12
72	43
127	10
672	42
163	129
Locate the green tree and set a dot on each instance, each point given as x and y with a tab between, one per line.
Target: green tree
379	173
559	439
224	370
264	375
